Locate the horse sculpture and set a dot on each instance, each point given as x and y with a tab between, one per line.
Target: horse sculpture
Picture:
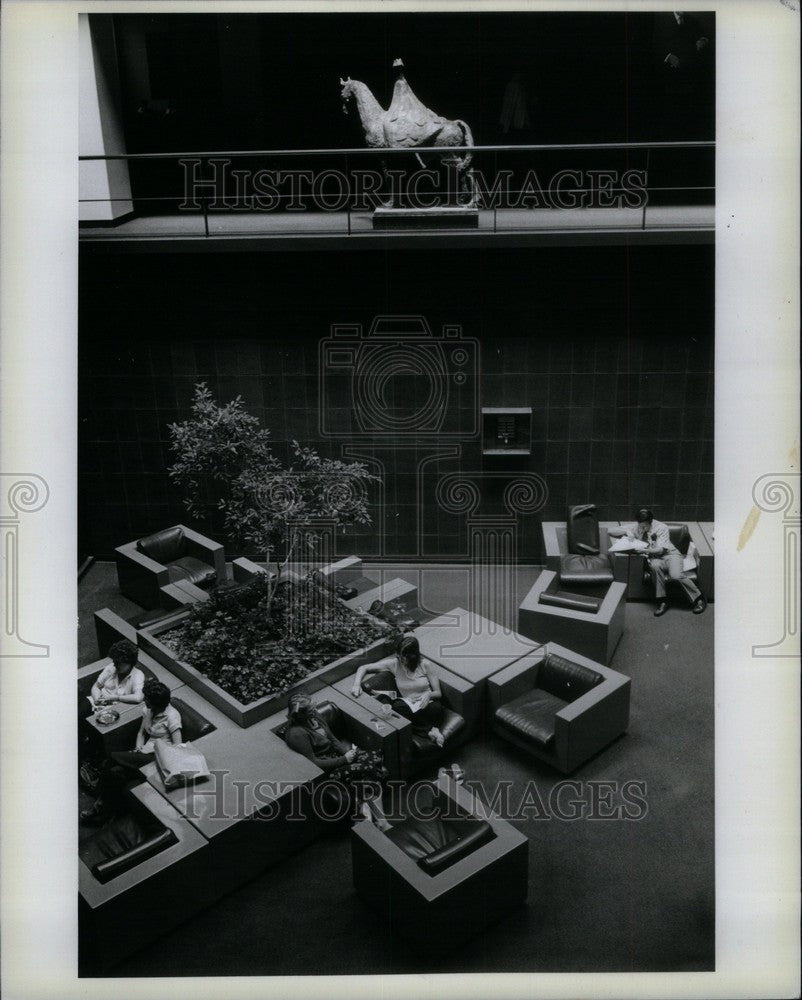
408	124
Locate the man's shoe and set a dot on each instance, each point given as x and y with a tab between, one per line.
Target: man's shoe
661	609
699	605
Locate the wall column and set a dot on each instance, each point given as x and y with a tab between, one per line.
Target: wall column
100	127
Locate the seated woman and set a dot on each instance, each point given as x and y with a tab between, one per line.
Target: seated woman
119	681
160	721
359	770
417	684
122	681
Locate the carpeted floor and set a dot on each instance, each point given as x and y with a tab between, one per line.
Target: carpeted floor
605	894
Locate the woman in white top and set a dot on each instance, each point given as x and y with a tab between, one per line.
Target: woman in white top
121	680
160	721
417	684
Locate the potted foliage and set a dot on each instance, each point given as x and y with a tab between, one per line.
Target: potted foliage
267	507
245	651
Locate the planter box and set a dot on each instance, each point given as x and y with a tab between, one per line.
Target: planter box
246	715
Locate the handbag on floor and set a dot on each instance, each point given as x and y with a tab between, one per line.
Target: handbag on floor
180	763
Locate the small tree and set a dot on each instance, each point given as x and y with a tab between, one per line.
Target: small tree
264	504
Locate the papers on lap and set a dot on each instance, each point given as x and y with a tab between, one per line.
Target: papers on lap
628	545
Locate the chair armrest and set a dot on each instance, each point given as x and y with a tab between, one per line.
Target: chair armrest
140	577
513	680
588	724
207	551
554	543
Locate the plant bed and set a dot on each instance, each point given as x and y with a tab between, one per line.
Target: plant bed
246	658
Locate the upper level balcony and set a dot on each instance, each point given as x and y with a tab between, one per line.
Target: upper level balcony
525	195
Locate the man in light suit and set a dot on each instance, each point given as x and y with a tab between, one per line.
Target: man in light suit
665	561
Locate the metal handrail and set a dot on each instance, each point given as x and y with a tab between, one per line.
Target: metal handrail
442	150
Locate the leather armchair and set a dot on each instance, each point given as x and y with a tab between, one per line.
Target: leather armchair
559	706
124	842
577	550
584	563
172	555
443	875
420	749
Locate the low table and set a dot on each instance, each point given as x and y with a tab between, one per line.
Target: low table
471	646
593	634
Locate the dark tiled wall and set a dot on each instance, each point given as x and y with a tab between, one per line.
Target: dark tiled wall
612	349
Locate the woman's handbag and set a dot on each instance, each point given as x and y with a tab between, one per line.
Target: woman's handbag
180	763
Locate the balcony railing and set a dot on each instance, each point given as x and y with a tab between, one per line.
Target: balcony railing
579	187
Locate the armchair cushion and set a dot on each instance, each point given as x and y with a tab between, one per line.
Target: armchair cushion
192	569
163	546
123	843
193	724
680	537
531	716
582	529
436	843
565	679
576	602
332	715
588	570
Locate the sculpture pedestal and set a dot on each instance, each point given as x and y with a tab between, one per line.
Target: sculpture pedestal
426	218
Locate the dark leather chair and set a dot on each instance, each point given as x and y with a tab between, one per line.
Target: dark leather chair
435	843
124	842
381	686
559	706
193	724
584	564
443	875
173	555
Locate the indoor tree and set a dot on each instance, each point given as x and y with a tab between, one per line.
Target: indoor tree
223	452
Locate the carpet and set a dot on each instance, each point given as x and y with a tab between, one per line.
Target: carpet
605	894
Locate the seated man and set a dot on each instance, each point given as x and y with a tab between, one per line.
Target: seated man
665	562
